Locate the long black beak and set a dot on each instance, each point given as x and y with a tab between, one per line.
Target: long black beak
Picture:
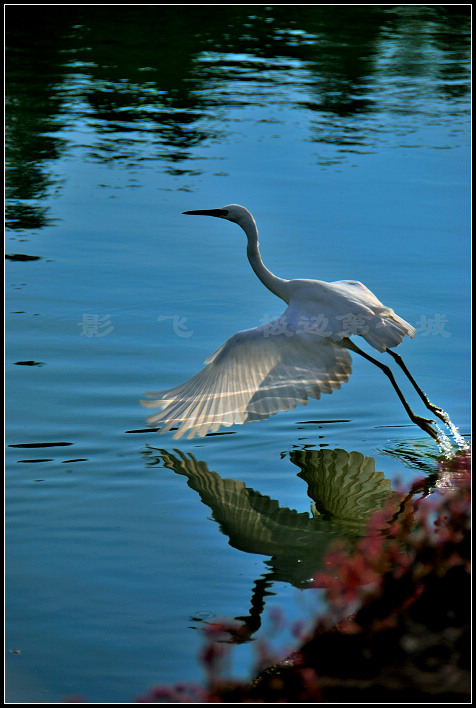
207	212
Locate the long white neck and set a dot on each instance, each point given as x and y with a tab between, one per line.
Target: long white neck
278	286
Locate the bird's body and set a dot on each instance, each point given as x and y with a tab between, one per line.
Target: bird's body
303	353
341	309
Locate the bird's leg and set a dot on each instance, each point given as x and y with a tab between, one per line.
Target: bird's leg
434	409
423	423
252	622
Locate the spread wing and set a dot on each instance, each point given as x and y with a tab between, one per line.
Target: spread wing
253	375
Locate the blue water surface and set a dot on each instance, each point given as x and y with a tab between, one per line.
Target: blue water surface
345	131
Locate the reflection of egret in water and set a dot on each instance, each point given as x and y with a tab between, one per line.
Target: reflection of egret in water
345	486
345	489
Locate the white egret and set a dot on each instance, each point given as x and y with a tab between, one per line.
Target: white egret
303	353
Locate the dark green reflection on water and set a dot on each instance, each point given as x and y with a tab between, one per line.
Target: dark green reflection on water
345	489
167	76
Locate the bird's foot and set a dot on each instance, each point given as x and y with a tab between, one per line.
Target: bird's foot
425	424
440	413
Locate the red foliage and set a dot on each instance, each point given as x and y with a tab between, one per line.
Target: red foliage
399	605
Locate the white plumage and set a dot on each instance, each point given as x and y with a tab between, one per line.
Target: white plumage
300	355
251	377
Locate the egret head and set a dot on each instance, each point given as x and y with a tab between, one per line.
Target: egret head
231	212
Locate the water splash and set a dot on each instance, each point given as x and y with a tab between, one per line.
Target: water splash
454	463
444	442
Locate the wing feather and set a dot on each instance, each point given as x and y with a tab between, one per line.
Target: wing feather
253	375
